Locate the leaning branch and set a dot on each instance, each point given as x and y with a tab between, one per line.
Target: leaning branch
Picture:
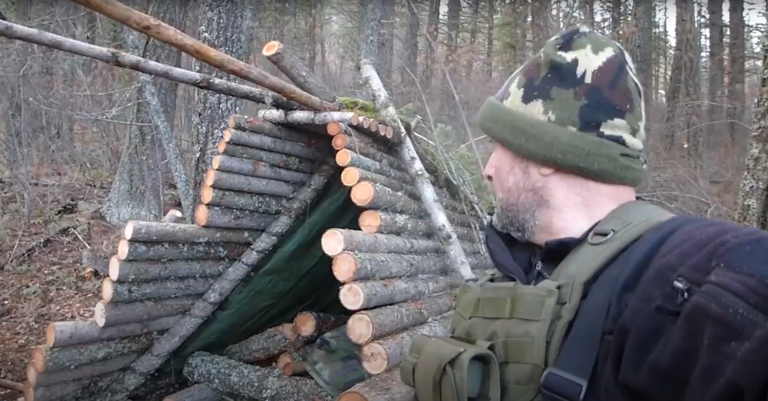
407	153
131	62
165	33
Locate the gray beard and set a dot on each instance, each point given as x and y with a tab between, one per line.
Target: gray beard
519	217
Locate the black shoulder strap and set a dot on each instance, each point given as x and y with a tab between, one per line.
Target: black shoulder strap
567	379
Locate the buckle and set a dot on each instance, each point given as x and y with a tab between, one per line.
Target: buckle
558	385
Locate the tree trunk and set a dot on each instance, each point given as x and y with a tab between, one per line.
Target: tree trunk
269	343
681	90
753	192
470	62
132	292
489	39
433	19
136	192
541	22
223	26
736	74
147	231
410	67
385	45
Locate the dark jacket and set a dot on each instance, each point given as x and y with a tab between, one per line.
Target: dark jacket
688	316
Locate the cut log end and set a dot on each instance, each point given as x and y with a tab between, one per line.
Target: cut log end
206	194
50	334
350	176
122	249
305	324
227	135
210	177
352	296
100	314
332	242
344	267
333	128
216	162
375	358
271	48
343	157
369	221
114	268
289	331
201	215
222	145
38	359
128	231
339	142
107	289
352	396
294	368
362	193
360	328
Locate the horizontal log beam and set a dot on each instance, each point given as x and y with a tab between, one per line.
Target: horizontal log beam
368	294
260	126
148	231
130	250
61	334
132	292
126	271
117	314
266	204
254	168
128	61
268	157
211	216
244	183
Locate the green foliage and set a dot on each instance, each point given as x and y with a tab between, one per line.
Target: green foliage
359	106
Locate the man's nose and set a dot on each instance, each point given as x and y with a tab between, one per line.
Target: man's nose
488	172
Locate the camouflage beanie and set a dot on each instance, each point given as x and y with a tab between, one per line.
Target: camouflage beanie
576	106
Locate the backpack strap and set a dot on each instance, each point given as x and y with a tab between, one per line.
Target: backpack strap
567	377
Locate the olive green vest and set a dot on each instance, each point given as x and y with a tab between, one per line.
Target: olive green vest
506	338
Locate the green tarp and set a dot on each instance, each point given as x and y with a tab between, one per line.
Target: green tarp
295	277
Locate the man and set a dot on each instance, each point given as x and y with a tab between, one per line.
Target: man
602	296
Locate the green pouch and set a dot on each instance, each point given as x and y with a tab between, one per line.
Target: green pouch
448	369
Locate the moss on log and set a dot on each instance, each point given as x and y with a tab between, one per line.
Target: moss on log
336	240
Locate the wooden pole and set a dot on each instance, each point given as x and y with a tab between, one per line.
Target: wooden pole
407	152
163	32
128	61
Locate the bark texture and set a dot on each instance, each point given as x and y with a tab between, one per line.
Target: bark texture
348	158
146	231
207	216
265	384
264	156
378	221
197	392
110	314
267	204
269	343
46	359
312	152
291	65
366	326
96	368
259	126
257	169
124	271
387	353
132	292
408	155
62	334
368	294
244	183
384	387
314	324
376	196
128	250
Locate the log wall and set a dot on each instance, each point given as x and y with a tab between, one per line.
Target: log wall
394	276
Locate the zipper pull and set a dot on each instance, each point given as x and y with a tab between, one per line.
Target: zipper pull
539	270
682	286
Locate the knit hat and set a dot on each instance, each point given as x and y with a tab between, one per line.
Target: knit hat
576	106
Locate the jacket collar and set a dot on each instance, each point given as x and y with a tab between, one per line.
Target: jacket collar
526	262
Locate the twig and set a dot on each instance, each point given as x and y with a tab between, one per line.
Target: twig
81	238
12	385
